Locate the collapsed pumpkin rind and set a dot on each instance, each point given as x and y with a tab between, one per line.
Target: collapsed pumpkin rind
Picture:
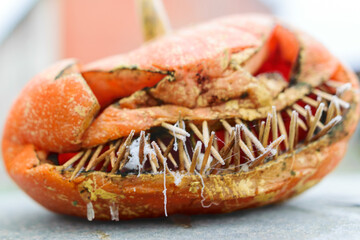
55	112
143	196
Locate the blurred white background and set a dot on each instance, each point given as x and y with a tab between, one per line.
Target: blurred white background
335	23
34	34
28	43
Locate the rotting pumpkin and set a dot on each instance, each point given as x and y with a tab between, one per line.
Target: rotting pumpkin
235	113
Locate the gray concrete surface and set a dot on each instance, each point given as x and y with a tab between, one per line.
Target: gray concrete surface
331	210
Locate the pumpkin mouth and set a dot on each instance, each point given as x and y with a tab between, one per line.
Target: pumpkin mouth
219	146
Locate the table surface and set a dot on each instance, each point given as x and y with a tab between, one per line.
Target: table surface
330	210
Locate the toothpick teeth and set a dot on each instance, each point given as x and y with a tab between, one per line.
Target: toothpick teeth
205	132
228	145
249	135
329	97
274	126
266	130
283	130
299	109
215	144
228	158
337	107
195	157
181	156
94	157
331	112
296	140
261	130
167	149
301	123
214	153
225	152
226	137
339	86
112	154
175	130
238	121
270	150
237	151
231	148
105	164
242	141
248	143
309	115
274	145
314	122
184	162
327	127
333	83
292	130
342	89
125	160
141	147
226	125
303	113
159	155
121	152
186	158
81	164
153	162
72	160
207	153
310	101
178	136
101	157
245	149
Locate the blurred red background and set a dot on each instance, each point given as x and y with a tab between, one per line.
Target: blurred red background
94	29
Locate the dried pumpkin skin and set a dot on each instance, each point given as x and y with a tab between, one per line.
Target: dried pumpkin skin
271	109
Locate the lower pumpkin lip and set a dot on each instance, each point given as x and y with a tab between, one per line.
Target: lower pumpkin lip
257	143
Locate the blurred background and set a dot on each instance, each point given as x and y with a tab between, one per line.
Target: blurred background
36	33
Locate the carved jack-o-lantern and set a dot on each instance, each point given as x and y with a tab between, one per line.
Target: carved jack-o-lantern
235	113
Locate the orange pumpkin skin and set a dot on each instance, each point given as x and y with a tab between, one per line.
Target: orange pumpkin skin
67	117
